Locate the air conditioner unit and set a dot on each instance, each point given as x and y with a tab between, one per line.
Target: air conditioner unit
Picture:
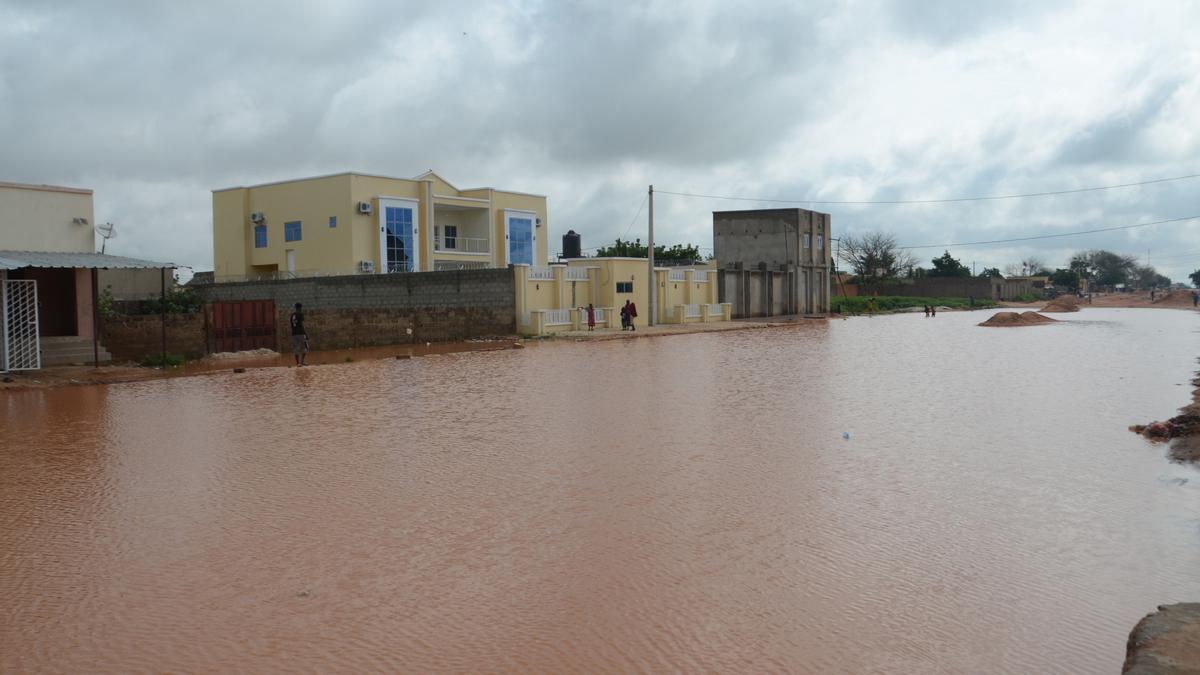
257	217
366	266
364	207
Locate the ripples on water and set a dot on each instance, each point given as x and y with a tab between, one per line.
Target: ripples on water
680	503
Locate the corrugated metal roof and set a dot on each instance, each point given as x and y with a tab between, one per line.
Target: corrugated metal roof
11	260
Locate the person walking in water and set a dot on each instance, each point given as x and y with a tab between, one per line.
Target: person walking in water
933	310
299	335
926	311
1195	298
870	306
631	310
591	317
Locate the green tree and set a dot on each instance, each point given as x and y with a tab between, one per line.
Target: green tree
636	249
1104	267
991	272
946	266
1195	277
1066	278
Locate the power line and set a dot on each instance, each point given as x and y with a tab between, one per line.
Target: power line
1051	236
635	216
930	201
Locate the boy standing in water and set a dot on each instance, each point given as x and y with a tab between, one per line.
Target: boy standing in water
299	336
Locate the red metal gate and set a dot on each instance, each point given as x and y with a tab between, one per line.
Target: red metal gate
238	326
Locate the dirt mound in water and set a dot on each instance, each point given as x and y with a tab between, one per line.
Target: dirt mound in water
1005	319
1063	303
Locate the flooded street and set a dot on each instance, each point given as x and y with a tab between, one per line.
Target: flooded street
676	503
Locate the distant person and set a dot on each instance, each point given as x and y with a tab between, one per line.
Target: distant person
1151	295
591	317
933	310
632	314
871	306
625	316
926	311
299	335
1195	298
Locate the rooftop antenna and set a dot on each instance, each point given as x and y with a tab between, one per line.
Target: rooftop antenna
107	231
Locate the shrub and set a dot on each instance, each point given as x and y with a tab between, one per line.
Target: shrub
158	361
891	303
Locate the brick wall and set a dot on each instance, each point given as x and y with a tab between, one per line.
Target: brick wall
133	338
377	309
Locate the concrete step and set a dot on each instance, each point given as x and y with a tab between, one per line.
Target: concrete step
62	351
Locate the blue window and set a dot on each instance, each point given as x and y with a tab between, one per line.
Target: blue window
624	286
260	236
520	241
333	221
398	222
291	231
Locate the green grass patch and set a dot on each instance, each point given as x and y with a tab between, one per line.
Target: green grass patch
158	361
1027	297
889	303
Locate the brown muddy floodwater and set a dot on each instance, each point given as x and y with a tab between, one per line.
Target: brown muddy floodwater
683	503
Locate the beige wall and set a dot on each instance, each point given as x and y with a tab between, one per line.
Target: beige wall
534	296
40	218
135	284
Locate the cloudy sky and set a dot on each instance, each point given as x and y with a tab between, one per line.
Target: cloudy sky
154	104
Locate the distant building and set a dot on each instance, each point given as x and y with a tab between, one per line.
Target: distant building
353	223
773	261
48	268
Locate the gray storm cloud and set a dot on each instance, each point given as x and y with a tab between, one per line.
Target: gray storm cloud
153	105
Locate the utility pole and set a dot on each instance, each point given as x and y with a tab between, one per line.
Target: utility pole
652	284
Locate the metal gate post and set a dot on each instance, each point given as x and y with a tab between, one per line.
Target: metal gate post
3	321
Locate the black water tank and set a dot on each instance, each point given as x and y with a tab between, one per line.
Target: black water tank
571	245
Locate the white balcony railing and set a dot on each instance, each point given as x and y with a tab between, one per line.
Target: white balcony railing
577	274
583	315
462	245
558	316
399	266
677	275
541	274
715	309
691	311
699	275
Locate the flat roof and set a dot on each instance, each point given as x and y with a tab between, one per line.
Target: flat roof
416	179
45	188
13	260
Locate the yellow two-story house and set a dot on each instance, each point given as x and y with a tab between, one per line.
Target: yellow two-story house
353	223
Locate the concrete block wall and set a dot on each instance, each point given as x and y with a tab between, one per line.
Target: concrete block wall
379	309
133	338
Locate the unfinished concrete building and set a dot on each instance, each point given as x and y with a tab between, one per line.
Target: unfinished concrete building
773	262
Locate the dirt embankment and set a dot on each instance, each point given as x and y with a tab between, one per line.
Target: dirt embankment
1182	430
1178	299
1166	641
1013	319
1063	303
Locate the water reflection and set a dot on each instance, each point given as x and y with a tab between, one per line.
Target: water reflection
654	504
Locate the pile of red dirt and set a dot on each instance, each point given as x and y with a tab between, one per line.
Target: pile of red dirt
1005	319
1063	303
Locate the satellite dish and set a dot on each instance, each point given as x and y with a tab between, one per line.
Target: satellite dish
107	231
